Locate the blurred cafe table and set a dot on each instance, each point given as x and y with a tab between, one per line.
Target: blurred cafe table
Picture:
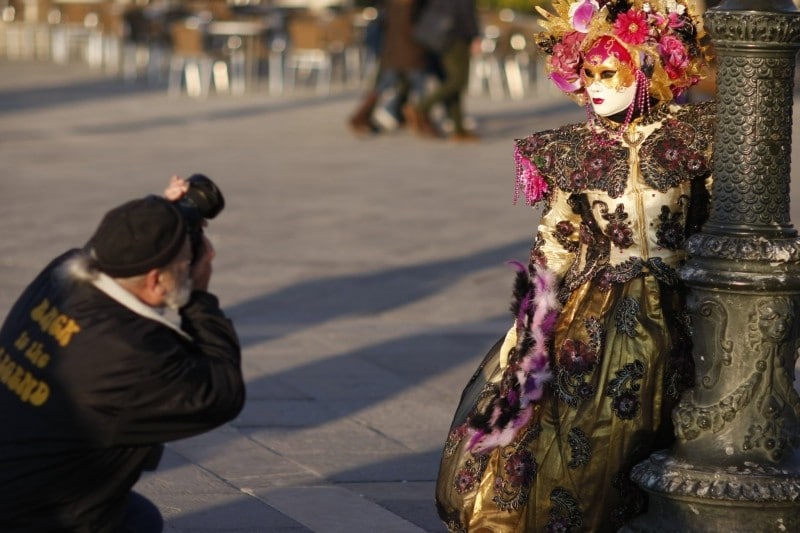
243	40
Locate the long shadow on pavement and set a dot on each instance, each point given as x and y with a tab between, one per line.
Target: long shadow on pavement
104	87
53	95
380	451
316	301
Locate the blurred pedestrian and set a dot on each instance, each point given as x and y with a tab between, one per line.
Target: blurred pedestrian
401	71
450	29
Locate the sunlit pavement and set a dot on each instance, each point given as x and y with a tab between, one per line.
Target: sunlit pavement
366	278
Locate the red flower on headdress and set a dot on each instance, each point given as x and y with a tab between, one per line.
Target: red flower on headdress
631	27
674	55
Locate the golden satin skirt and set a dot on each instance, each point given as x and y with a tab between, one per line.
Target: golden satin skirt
606	409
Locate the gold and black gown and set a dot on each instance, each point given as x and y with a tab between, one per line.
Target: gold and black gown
616	215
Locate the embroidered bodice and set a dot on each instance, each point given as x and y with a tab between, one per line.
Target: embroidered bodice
619	209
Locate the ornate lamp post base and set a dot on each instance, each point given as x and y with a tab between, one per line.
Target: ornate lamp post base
685	497
735	465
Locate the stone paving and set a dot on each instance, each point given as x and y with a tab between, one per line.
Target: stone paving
366	278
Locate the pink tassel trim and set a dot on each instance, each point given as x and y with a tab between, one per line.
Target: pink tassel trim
529	181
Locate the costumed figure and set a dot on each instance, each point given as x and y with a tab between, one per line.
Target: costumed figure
581	387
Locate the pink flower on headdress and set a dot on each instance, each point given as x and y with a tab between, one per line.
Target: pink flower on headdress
566	61
631	27
581	13
674	56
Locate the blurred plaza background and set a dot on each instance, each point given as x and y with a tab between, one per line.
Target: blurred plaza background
199	47
204	47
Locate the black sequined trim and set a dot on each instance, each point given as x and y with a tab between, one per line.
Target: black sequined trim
580	446
635	267
671	230
565	514
624	390
627	316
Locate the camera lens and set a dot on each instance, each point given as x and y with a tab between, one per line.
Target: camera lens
204	195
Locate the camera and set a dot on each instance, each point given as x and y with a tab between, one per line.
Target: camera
202	201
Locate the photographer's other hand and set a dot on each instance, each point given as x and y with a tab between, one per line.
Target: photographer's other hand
176	189
201	269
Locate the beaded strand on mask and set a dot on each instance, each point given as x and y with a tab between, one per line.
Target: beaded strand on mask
642	97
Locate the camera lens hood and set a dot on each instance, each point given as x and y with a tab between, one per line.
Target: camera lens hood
204	195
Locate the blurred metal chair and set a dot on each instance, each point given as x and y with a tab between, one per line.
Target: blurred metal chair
308	52
343	47
508	64
195	66
144	46
24	31
515	52
367	43
113	33
274	51
316	43
238	42
486	71
76	33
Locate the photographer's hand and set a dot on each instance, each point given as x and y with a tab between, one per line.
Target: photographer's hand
176	189
201	269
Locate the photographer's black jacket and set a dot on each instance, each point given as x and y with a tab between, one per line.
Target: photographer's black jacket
89	389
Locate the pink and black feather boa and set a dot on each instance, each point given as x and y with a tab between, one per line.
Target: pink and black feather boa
535	307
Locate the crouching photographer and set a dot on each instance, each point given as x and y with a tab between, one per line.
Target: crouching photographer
94	377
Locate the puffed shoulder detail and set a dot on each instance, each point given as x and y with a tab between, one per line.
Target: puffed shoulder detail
574	159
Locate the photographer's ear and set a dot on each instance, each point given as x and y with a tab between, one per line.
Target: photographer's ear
153	288
148	287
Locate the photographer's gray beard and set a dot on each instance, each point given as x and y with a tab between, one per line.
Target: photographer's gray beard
179	295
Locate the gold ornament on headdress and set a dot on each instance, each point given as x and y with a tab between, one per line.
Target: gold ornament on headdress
665	39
